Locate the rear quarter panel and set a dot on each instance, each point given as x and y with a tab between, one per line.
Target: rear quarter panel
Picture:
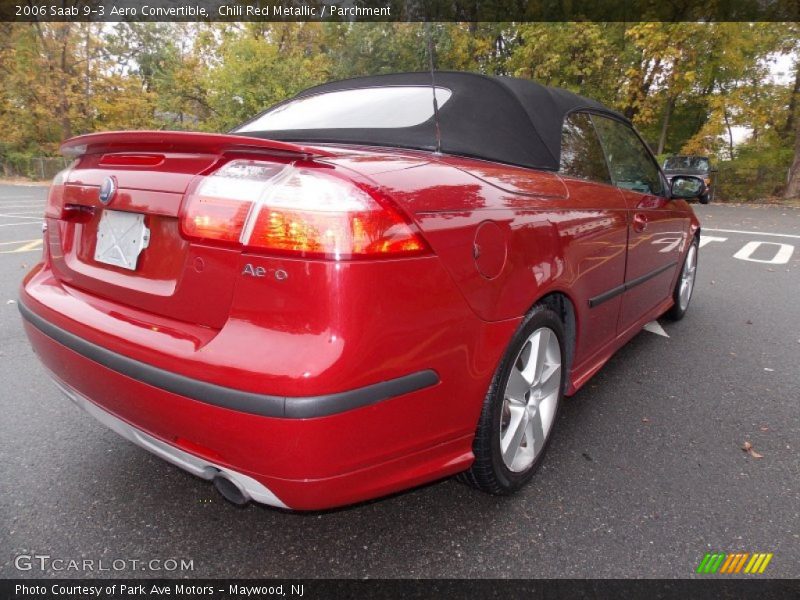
560	235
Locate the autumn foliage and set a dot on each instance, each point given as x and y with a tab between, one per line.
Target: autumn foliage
689	87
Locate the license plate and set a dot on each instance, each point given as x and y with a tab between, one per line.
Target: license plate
121	237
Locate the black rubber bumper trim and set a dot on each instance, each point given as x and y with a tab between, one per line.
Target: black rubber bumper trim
247	402
614	292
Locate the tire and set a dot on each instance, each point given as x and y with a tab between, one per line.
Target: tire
705	198
507	405
680	295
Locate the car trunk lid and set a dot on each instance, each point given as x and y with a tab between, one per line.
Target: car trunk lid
129	249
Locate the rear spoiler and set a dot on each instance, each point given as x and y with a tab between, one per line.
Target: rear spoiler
179	141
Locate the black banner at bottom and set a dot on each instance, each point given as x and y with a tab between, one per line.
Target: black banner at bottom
530	589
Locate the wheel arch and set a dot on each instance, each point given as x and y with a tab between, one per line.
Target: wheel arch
561	304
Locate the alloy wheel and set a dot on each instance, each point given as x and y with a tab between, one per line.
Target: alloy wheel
687	277
530	400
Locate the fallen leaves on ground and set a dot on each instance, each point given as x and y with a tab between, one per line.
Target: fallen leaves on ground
748	447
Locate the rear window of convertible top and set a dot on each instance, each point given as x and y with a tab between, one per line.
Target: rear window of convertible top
363	108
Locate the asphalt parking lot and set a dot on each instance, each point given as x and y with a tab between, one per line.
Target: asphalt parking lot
646	471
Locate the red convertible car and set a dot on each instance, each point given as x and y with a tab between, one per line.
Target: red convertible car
361	289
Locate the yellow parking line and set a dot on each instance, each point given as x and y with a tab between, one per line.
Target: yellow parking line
27	246
17	242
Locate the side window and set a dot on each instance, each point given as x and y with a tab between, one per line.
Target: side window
632	166
581	152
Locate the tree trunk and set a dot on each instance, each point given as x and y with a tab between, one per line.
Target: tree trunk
730	134
662	140
793	186
66	123
791	117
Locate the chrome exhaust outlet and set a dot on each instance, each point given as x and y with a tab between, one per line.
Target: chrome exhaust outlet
230	490
237	487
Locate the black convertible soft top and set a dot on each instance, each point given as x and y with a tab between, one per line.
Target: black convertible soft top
503	119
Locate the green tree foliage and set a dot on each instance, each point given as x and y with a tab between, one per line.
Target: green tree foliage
688	87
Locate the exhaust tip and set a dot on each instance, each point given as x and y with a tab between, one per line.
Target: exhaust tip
230	490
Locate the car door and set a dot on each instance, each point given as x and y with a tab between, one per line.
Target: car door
656	227
594	228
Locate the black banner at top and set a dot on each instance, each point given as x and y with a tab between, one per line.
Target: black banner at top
399	10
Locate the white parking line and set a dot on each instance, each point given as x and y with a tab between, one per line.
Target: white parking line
10	216
655	327
707	239
788	235
35	222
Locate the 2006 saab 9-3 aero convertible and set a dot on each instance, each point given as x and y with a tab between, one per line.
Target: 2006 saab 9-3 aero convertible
355	293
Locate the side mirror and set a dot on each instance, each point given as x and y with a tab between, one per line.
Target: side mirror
687	186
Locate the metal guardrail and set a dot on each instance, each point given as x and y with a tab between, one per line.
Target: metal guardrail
41	167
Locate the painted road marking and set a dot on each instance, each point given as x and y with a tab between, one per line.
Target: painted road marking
27	246
707	239
655	327
35	222
788	235
782	254
16	242
10	216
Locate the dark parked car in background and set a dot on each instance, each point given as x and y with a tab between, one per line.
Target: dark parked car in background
698	166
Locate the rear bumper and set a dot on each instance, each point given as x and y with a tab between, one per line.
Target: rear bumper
234	399
188	462
304	452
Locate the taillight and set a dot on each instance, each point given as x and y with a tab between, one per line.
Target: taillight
55	196
307	211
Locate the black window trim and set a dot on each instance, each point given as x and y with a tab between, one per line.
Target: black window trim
588	113
665	193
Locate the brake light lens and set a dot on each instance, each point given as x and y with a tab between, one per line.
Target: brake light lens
286	209
132	160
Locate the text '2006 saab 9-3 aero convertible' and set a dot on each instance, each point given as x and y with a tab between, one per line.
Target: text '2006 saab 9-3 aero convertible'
357	292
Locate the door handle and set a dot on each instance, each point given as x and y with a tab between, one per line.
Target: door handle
639	222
